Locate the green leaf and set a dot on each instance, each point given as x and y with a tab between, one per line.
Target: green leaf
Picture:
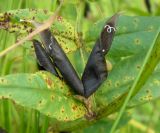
150	62
43	92
127	55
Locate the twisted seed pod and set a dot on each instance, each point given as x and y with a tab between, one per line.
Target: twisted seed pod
95	71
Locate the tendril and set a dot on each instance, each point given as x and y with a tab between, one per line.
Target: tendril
109	28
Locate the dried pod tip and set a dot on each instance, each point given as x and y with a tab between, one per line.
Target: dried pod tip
112	21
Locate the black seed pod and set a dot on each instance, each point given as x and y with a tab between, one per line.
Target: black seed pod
44	59
62	62
95	71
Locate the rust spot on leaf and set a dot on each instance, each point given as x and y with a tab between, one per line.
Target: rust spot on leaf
117	84
59	18
66	118
59	118
40	102
141	99
150	28
45	11
74	107
7	17
137	41
33	18
48	114
138	66
62	110
157	82
109	82
78	116
69	93
2	80
150	97
30	79
136	20
62	84
80	109
49	81
52	97
147	91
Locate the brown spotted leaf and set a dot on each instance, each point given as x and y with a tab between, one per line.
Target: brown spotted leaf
43	92
18	21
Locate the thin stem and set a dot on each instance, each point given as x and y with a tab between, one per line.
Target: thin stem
7	114
36	121
3	45
53	5
99	10
80	12
113	6
20	4
29	123
22	122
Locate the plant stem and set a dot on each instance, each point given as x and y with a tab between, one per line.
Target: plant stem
22	122
20	3
45	125
36	121
113	6
29	123
7	114
80	13
53	5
